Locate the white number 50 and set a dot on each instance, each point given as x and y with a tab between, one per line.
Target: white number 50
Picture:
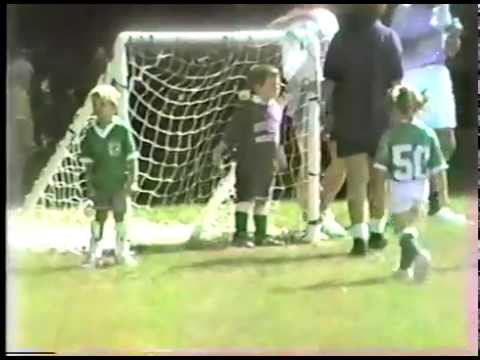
410	161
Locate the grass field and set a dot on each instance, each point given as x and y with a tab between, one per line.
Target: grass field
297	298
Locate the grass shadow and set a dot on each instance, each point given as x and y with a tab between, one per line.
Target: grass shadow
174	248
332	284
453	268
378	280
216	244
255	261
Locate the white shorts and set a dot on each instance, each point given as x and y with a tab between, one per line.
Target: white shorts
440	111
406	195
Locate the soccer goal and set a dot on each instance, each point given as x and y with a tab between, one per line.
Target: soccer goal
178	93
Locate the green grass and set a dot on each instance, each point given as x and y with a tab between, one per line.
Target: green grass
277	299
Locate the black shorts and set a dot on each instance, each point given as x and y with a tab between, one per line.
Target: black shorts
116	202
253	182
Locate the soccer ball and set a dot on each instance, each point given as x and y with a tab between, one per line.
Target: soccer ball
107	259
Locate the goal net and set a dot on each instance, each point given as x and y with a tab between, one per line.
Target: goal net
178	93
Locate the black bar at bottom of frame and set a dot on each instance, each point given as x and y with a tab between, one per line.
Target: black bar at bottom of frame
30	353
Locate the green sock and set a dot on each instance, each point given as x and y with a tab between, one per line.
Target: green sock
260	226
409	249
97	231
241	221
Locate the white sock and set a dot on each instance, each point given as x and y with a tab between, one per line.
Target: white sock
412	231
121	239
360	231
378	225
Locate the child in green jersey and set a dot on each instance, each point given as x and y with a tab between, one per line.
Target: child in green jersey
409	153
109	154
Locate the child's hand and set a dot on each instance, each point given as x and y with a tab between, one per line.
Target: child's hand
132	188
282	100
452	45
217	154
89	209
325	136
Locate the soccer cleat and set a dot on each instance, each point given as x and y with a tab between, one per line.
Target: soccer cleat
448	215
421	266
408	251
261	236
90	261
91	257
241	239
314	235
331	227
377	241
268	241
359	247
128	259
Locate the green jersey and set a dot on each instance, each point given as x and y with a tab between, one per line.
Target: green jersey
410	151
108	150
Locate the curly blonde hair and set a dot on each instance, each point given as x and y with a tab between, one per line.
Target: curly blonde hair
407	100
107	92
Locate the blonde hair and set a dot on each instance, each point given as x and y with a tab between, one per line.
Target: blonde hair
407	100
107	92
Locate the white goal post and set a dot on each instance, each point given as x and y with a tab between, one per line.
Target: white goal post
178	90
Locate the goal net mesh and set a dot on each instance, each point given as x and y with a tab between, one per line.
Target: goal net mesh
181	95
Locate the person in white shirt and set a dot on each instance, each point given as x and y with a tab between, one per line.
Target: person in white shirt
299	66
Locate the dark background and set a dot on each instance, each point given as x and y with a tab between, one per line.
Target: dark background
63	40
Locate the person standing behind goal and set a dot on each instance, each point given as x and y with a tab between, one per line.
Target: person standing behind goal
363	62
109	154
299	68
429	37
253	136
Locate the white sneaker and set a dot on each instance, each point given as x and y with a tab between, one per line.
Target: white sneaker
119	249
332	228
89	262
128	259
91	257
421	266
403	275
313	233
448	215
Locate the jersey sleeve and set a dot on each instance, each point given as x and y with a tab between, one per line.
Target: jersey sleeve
383	157
86	153
235	128
436	162
394	55
131	152
333	61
